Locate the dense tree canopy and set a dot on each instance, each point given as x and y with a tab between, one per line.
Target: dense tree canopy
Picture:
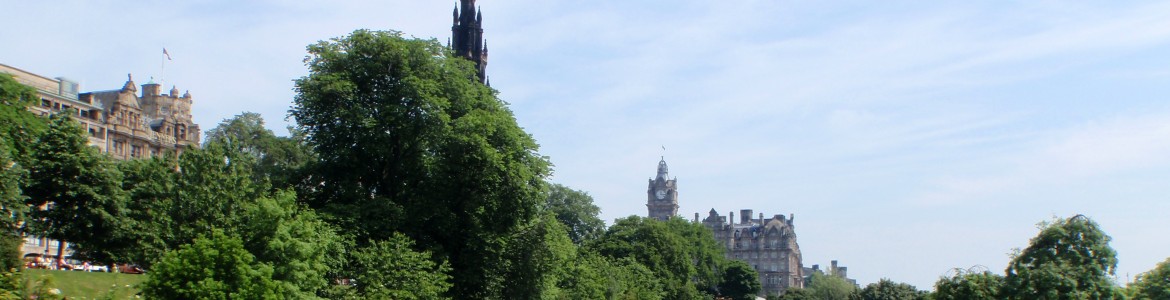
407	142
575	209
1154	284
829	287
1069	259
969	286
684	255
740	281
74	189
213	267
19	128
279	160
886	289
390	269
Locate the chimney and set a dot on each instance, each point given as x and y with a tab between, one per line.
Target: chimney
745	216
761	219
731	217
696	217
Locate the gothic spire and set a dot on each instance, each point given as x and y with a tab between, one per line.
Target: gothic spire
467	37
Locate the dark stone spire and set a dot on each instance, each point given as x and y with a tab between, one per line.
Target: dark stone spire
467	37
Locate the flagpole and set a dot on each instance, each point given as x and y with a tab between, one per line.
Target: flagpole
162	76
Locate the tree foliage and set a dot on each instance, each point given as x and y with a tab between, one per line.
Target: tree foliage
575	209
829	287
1069	259
389	269
886	289
214	267
969	286
278	160
408	143
684	255
19	128
794	294
74	188
740	281
302	249
1154	284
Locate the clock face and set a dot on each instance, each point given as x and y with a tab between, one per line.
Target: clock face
660	194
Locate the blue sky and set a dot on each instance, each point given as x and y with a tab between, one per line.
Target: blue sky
908	138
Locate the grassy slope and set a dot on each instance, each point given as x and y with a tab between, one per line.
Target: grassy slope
90	285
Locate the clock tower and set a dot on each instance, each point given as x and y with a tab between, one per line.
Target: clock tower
662	194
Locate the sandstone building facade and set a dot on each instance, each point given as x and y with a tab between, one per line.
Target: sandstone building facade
121	123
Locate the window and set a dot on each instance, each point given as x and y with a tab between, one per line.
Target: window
46	103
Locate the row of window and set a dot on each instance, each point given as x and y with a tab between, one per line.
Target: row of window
81	112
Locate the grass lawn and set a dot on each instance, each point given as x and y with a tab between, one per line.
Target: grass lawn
91	285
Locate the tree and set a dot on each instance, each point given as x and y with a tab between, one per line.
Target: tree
280	160
73	188
213	267
969	286
389	269
1154	284
1069	259
886	289
538	256
301	248
828	287
794	294
19	128
12	211
740	281
408	143
174	201
682	254
575	209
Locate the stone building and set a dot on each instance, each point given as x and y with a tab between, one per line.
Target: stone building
147	124
60	94
121	123
768	245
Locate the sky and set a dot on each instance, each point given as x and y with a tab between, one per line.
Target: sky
908	138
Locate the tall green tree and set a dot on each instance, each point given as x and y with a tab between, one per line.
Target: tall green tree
1069	259
279	160
1154	284
213	267
740	281
408	143
390	269
969	286
829	287
19	128
73	188
683	254
576	210
538	257
303	250
886	289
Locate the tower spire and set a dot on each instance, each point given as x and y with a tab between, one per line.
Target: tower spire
467	37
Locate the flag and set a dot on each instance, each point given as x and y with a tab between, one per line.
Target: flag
168	55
